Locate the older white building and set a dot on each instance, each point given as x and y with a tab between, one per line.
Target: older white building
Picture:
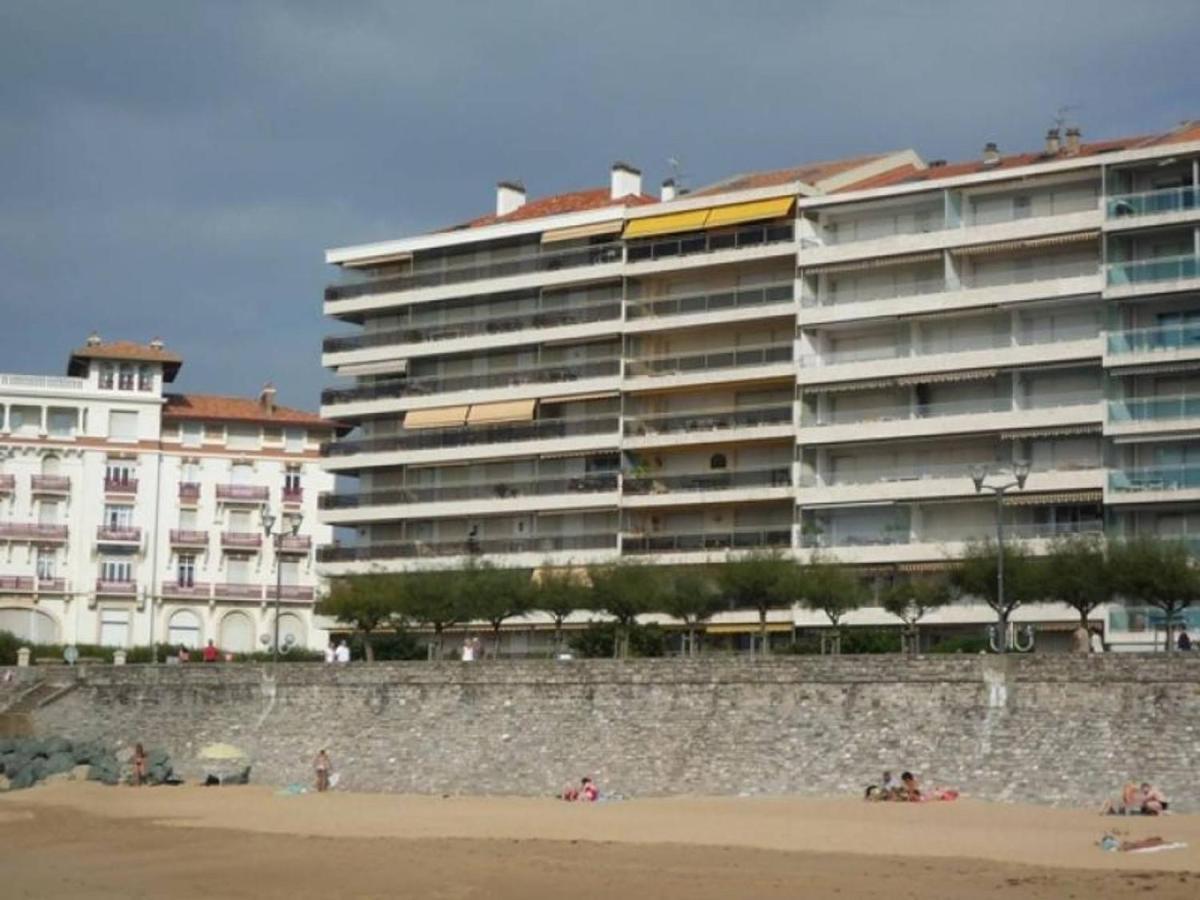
128	513
809	359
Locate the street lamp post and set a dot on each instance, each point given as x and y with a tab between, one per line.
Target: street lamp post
268	525
979	474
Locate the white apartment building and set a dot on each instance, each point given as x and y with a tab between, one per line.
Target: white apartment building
809	358
128	513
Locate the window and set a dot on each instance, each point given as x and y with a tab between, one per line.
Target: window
237	569
289	571
185	570
717	461
114	627
291	480
293	439
145	378
243	437
183	629
118	516
241	473
240	521
45	564
187	520
1022	208
48	512
118	471
25	420
63	422
116	569
191	434
122	425
125	377
106	376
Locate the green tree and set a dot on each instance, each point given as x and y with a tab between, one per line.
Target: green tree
364	602
1149	571
434	598
761	580
692	595
976	574
559	592
625	590
826	586
1077	573
495	595
911	599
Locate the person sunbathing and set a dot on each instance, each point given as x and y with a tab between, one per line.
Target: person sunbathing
1153	801
912	790
1128	803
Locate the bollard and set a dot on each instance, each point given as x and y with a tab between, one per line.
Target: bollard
118	657
23	657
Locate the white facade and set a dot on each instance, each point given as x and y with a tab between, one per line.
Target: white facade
803	365
125	518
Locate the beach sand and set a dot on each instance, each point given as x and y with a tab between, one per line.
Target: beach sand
85	840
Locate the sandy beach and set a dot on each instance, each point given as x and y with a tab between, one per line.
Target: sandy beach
85	840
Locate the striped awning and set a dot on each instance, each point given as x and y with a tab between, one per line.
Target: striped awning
1052	499
1055	240
575	398
581	231
944	377
874	262
1163	368
1065	431
837	386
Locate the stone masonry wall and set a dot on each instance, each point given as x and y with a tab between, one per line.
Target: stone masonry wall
1053	728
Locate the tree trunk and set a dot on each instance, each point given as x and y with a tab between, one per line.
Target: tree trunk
368	650
496	640
762	632
558	643
1170	611
691	641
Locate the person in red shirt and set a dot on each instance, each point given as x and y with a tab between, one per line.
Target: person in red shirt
589	793
210	652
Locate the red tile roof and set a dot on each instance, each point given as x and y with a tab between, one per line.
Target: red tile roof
557	204
214	407
129	351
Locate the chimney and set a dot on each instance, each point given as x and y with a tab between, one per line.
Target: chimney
936	163
626	180
93	339
510	196
1072	140
157	344
991	155
668	190
266	398
1052	142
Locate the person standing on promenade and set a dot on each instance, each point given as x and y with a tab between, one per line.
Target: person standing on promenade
342	654
210	652
323	767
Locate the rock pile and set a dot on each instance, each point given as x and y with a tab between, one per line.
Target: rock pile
25	761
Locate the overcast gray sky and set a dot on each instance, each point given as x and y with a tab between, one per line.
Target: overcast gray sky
177	168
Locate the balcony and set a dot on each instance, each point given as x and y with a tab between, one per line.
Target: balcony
188	589
8	484
241	540
419	549
243	493
532	263
710	424
639	311
1154	483
1153	203
189	491
118	534
1160	343
293	495
709	481
1154	271
121	486
702	242
19	583
716	360
34	533
116	588
51	484
238	591
707	542
182	537
489	490
899	544
1152	414
294	543
294	592
416	387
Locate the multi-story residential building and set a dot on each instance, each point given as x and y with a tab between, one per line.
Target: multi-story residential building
810	359
129	513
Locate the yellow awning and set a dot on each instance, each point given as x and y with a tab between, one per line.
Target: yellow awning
749	212
441	417
505	411
581	231
747	628
671	223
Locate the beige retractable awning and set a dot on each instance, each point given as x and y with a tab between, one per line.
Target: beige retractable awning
1065	431
505	411
1156	369
944	377
581	231
835	387
1056	240
874	262
1051	499
441	417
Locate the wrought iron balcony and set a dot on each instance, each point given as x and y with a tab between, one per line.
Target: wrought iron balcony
51	484
118	534
120	486
8	484
182	537
187	589
116	588
33	531
243	540
189	490
295	543
239	591
293	495
246	493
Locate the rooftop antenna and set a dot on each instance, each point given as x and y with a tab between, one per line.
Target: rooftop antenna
1062	116
677	173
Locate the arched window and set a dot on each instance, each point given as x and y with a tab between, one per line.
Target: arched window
237	633
717	461
30	625
49	465
291	625
183	629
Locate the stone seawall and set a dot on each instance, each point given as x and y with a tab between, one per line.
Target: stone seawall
1052	728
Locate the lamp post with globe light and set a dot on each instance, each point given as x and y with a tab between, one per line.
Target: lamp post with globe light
291	523
979	475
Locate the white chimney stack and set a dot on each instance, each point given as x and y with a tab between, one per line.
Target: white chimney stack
991	154
626	180
1073	140
668	191
1053	143
266	398
510	196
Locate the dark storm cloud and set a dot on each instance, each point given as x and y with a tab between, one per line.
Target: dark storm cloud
177	169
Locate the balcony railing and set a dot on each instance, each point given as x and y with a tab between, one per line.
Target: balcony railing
250	540
1157	338
1148	203
906	412
446	331
1013	213
8	484
42	382
886	536
183	537
705	362
709	420
1150	409
293	592
779	536
243	492
30	584
295	543
293	495
187	589
16	582
711	241
118	534
51	484
189	490
1027	338
1155	478
871	473
489	490
411	387
413	549
120	485
544	261
930	222
28	531
715	302
1164	268
116	588
239	591
780	476
441	438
